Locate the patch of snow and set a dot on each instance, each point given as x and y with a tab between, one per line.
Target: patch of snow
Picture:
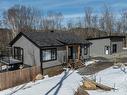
113	78
124	48
91	62
63	84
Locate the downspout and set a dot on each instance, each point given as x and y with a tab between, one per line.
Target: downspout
41	67
110	47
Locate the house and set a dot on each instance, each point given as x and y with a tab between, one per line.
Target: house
48	49
105	46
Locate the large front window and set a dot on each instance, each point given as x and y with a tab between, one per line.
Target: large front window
49	54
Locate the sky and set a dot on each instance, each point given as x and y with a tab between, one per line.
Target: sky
69	8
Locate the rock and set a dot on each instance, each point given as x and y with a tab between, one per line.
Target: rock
39	77
87	85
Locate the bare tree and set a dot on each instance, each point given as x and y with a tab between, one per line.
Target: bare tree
88	17
21	18
53	21
124	21
107	20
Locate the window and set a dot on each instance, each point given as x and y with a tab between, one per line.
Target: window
49	54
114	48
85	50
18	53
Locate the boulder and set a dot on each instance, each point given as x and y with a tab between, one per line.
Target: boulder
39	77
87	85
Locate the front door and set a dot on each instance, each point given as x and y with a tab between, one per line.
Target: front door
107	50
72	52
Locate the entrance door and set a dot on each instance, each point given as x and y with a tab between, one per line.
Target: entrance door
114	48
70	52
107	49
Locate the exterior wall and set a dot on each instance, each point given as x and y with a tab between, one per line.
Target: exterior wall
98	47
61	52
120	44
31	52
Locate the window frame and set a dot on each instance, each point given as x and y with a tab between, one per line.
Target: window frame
85	50
52	50
17	53
114	48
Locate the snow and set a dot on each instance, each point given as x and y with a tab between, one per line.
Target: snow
124	48
68	82
91	62
63	84
113	78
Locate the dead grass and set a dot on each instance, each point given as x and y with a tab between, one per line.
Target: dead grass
53	71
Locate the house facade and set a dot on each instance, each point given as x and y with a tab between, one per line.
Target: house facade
106	46
48	49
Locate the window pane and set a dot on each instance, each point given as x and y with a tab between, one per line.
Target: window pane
46	55
85	50
54	54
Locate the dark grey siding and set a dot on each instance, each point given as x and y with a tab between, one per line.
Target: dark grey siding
98	47
31	52
119	42
61	52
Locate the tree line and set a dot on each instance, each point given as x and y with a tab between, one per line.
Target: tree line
22	18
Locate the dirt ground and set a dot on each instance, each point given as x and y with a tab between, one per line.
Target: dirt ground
103	64
94	68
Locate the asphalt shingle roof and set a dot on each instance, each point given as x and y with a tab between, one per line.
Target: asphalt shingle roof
54	38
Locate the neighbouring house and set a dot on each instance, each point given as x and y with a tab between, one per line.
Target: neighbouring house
105	46
49	49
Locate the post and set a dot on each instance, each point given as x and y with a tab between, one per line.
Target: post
78	52
67	53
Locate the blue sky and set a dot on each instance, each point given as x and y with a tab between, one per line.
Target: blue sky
70	8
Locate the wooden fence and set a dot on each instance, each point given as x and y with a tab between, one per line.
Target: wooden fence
17	77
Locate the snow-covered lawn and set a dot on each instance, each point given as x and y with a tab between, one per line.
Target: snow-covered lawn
68	82
63	84
113	78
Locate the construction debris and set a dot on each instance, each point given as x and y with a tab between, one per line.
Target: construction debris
81	91
89	85
38	77
98	85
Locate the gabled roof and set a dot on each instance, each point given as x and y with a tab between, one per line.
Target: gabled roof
105	37
49	39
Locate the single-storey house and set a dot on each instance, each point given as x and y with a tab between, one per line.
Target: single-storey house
105	46
48	49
